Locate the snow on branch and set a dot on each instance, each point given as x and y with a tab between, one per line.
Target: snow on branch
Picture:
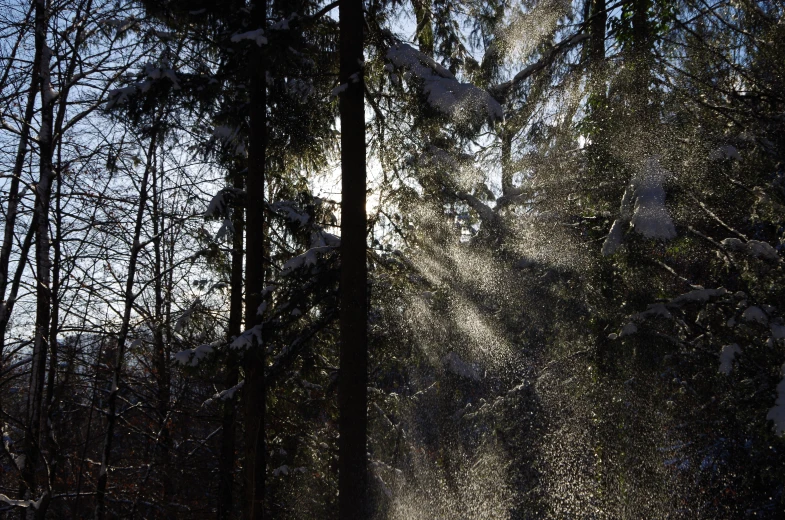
643	208
155	73
120	25
226	229
754	248
291	211
662	310
256	36
225	395
760	316
151	73
220	203
461	101
183	320
35	504
248	338
650	217
310	257
727	354
193	356
777	412
231	139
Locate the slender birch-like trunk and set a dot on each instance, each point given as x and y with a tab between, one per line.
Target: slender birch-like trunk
43	265
129	297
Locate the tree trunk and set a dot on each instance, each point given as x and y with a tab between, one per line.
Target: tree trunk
161	355
100	492
507	171
33	428
53	124
598	99
597	23
640	27
353	375
226	462
642	62
254	392
54	329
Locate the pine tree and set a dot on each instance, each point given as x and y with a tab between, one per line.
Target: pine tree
353	376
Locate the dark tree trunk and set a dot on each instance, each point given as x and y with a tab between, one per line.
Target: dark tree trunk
226	463
507	171
353	379
122	336
642	61
640	28
597	23
254	363
598	99
161	353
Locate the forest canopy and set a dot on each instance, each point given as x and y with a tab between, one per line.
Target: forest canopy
370	259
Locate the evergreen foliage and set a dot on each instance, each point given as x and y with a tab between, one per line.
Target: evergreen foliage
574	224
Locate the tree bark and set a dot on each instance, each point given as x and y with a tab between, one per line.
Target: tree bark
506	135
254	392
226	462
122	336
161	354
353	375
597	23
43	264
642	61
54	329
